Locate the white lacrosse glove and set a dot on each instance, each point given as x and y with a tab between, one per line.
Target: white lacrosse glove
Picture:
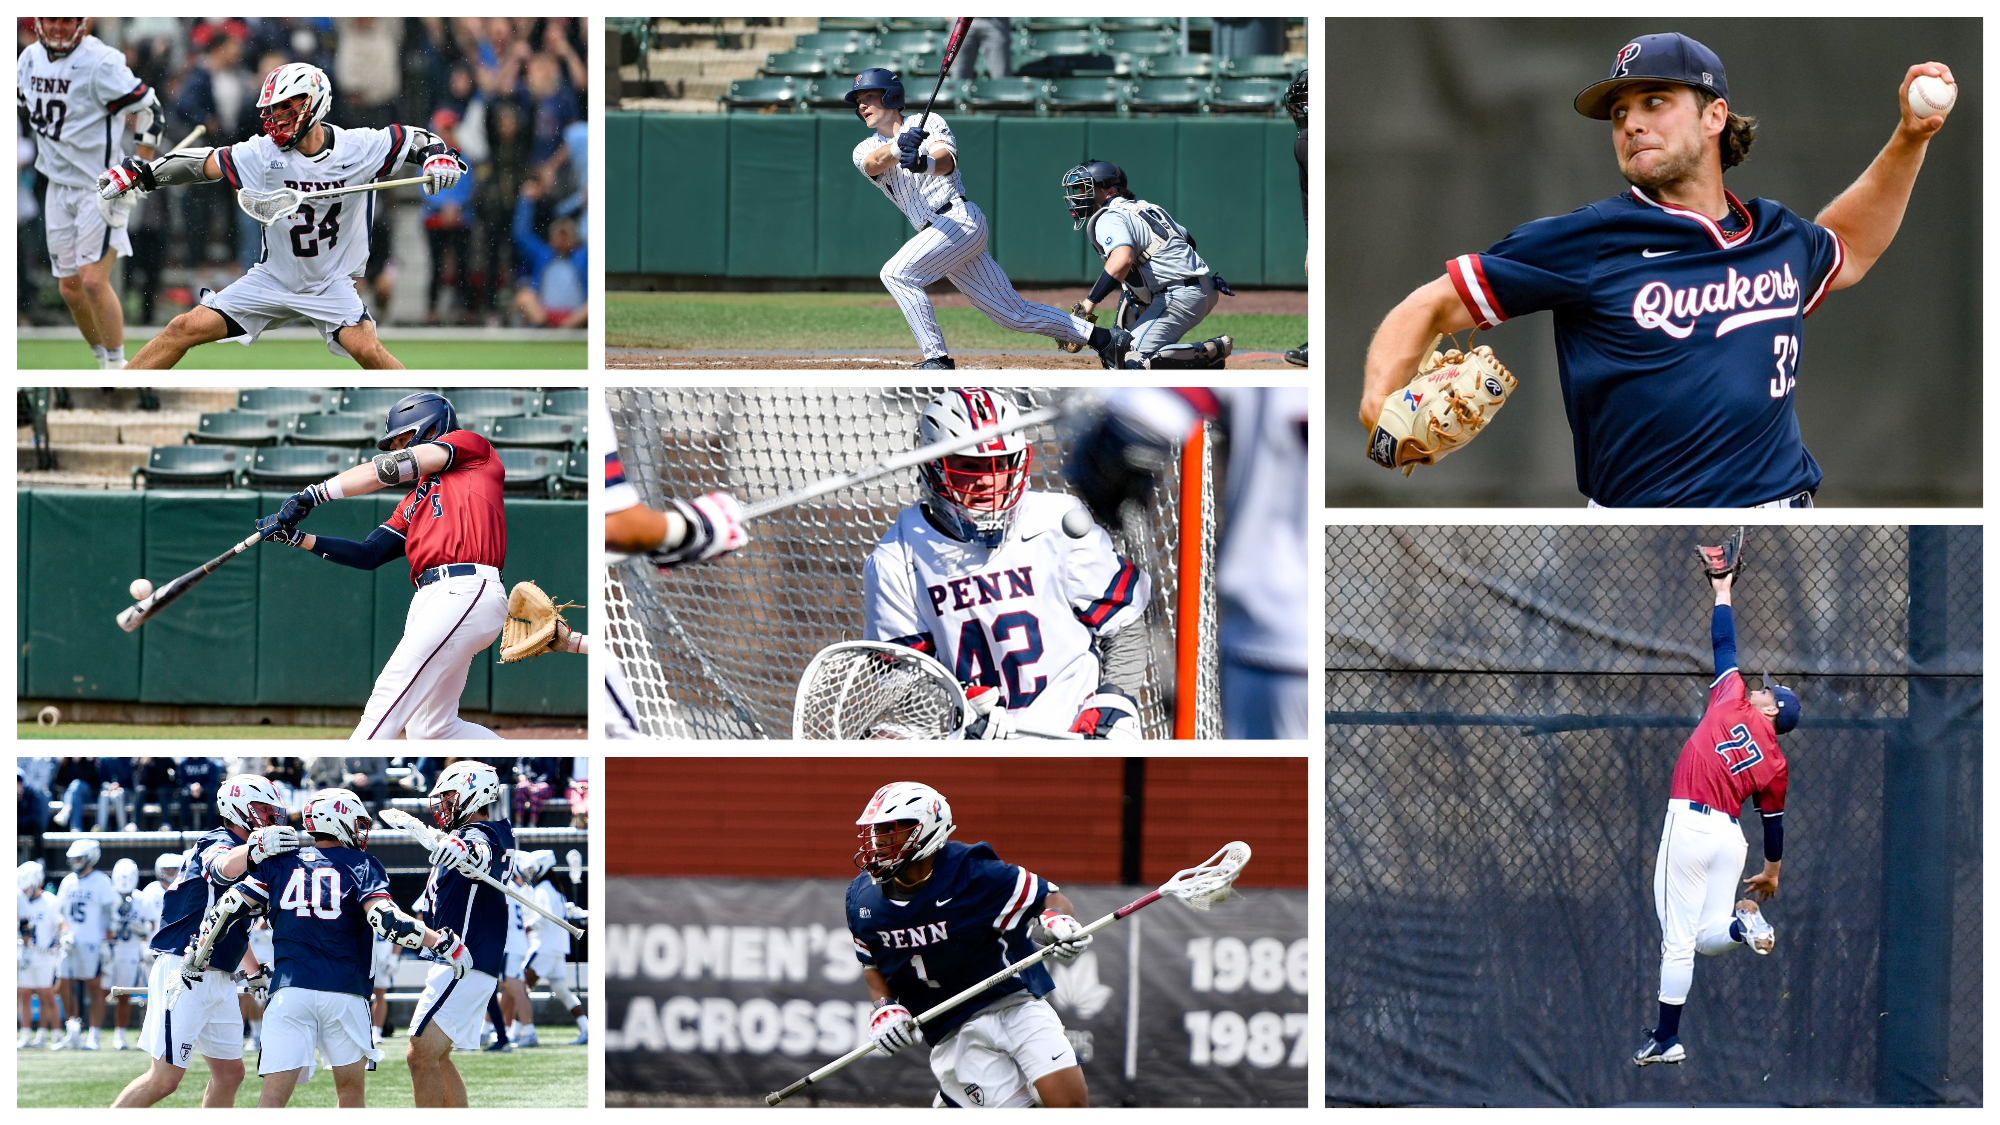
713	525
452	951
989	720
574	913
1054	928
455	853
272	840
444	170
258	982
1110	714
117	212
894	1028
66	943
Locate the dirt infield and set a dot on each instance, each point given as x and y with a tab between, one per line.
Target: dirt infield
834	360
1283	302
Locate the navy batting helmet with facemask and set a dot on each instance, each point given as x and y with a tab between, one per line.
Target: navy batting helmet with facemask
876	78
1080	186
426	415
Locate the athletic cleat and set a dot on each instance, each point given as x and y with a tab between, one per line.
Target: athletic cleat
90	1043
1653	1051
936	363
1112	354
503	1048
118	1040
1297	356
1757	933
582	1038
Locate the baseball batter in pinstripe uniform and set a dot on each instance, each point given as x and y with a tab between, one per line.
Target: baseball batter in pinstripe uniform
915	163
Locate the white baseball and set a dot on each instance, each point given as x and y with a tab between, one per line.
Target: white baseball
1931	97
140	589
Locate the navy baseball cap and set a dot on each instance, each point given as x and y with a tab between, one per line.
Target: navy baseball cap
1667	57
1788	709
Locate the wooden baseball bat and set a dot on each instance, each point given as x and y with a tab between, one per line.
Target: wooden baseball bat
142	611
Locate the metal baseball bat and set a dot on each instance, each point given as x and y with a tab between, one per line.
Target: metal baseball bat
397	818
145	608
959	27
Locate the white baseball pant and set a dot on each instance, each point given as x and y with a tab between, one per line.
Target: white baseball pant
450	622
1695	881
954	247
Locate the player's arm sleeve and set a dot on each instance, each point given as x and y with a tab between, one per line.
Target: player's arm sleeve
1774	830
1107	591
372	881
889	601
1828	256
1022	893
1722	634
1545	264
382	544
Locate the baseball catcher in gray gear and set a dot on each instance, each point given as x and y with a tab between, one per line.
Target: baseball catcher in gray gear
1165	286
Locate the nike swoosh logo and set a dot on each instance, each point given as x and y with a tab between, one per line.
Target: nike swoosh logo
1053	1058
1036	535
1654	253
942	901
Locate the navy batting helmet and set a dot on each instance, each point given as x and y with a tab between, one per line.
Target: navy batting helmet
426	415
1080	186
877	78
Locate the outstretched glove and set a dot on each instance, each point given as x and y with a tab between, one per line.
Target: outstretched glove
1061	931
1724	560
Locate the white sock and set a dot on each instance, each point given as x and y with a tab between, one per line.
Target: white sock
116	355
583	1024
98	351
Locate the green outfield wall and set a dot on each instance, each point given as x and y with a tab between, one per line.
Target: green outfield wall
273	627
777	196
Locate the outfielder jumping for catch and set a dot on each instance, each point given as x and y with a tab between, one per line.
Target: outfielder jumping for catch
1732	757
915	163
1166	289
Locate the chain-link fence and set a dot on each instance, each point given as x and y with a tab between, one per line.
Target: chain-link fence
1505	708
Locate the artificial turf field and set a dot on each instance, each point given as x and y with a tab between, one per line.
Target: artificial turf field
550	1075
312	354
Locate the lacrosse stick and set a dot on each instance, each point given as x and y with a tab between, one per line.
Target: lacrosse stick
575	859
193	135
268	207
428	838
876	690
1198	887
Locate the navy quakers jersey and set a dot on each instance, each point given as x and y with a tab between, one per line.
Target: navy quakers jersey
967	922
473	910
1677	338
187	902
320	938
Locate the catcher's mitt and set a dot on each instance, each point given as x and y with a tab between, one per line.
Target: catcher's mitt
1452	398
1091	316
1724	560
535	624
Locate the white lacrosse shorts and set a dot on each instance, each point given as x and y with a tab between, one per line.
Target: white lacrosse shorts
456	1005
549	962
297	1019
78	235
382	969
516	960
256	301
994	1058
207	1019
37	969
122	969
84	962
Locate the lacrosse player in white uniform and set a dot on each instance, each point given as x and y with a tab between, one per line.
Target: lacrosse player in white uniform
695	531
77	95
513	991
1042	626
382	974
134	919
311	258
548	943
41	933
88	905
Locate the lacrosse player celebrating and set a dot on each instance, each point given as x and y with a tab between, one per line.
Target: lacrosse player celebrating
448	1013
134	919
41	930
924	913
87	903
325	896
205	1015
73	91
983	574
548	943
312	256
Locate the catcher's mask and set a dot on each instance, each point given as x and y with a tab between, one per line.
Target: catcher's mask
1080	184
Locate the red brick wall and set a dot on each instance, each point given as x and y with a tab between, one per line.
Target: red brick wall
1196	805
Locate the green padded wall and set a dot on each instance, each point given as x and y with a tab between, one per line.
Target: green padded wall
1224	185
315	618
1031	156
78	553
859	228
682	193
771	179
203	648
621	196
1284	219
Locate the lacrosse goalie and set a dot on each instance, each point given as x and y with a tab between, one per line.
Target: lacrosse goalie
1040	623
312	255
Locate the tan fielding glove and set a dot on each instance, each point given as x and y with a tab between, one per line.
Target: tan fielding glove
1452	398
1077	310
535	624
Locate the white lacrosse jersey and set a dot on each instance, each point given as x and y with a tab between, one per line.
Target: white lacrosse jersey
88	904
134	920
918	197
1260	573
73	104
548	935
38	917
326	243
1023	616
618	492
155	896
517	928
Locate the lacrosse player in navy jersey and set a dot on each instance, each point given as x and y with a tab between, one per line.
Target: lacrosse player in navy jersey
203	1014
327	898
931	918
449	1011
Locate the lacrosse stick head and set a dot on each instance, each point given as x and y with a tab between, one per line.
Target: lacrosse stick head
1205	884
406	822
268	207
875	690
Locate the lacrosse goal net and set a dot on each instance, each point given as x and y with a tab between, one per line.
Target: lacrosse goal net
715	650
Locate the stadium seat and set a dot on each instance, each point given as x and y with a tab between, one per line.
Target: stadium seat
1178	66
1145	43
334	429
192	466
240	427
1261	66
289	400
531	472
1247	94
763	93
866	25
1003	93
938	24
575	479
1169	94
546	430
829	42
1037	24
1114	25
797	64
845	67
921	64
1084	42
374	400
1086	93
909	42
575	403
493	402
295	466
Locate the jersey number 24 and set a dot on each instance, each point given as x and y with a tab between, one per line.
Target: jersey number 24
306	236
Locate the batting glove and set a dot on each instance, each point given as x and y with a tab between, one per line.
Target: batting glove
301	503
910	151
894	1028
128	174
1064	933
714	525
275	530
275	840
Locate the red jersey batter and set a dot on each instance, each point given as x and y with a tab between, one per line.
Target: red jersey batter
457	515
1733	754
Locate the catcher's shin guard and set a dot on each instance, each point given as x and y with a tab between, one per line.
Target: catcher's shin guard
1207	354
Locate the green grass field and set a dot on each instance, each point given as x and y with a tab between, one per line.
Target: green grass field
545	1076
312	354
851	320
31	729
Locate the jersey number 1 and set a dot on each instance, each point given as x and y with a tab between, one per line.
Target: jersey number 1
1786	349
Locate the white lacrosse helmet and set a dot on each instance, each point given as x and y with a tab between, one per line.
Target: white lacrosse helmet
535	866
57	42
904	822
287	118
461	790
167	867
30	876
125	876
249	802
340	814
83	855
972	496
